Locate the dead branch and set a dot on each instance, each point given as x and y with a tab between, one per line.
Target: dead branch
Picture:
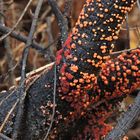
62	21
3	137
8	49
19	20
126	121
21	90
73	116
18	36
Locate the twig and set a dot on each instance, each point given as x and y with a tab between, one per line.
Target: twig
8	50
62	21
8	115
16	24
5	75
138	3
22	92
126	121
68	12
9	2
37	71
127	46
50	39
130	28
119	52
9	61
4	137
1	102
4	29
48	9
68	8
54	103
138	34
18	36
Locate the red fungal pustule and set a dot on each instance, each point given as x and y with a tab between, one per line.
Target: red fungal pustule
74	68
111	85
97	116
85	23
62	70
59	57
83	56
121	81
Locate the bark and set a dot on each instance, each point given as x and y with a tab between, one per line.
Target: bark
80	106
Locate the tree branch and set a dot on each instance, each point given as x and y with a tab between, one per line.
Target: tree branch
62	21
16	24
78	66
21	88
6	44
126	121
3	137
18	36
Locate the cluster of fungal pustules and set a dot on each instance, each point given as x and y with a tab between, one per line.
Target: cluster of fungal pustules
120	76
86	72
89	46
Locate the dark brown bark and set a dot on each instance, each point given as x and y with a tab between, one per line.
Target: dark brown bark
74	110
